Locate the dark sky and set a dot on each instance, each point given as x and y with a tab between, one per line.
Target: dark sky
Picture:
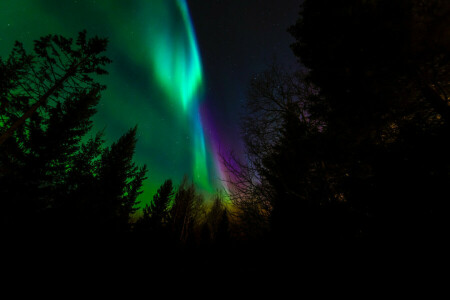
237	39
183	92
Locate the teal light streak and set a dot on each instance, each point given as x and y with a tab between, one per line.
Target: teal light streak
177	68
175	55
200	169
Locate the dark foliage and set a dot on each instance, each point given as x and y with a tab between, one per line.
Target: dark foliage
353	149
155	217
52	74
52	177
382	69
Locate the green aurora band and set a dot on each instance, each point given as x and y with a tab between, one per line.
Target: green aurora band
155	81
175	56
177	68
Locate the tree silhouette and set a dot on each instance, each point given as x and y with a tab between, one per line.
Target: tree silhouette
119	182
181	210
222	237
356	148
49	178
55	71
282	146
35	164
383	99
156	214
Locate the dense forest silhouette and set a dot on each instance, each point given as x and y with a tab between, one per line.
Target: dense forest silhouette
350	148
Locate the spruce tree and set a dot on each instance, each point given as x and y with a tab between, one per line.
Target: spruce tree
119	183
382	68
54	71
50	180
156	214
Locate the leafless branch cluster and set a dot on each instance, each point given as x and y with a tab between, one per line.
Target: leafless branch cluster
271	95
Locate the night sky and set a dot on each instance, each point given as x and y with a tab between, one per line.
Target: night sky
180	71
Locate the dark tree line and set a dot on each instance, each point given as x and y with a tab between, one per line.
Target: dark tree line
355	146
55	177
183	216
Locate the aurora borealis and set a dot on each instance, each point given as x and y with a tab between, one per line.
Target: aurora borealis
169	75
177	68
248	140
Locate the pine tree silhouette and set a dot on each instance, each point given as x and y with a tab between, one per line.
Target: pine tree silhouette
156	214
54	70
50	180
